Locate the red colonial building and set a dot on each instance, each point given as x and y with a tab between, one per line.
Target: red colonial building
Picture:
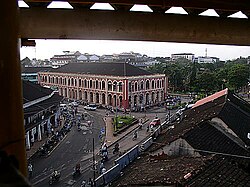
109	84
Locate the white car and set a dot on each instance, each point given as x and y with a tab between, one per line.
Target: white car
90	107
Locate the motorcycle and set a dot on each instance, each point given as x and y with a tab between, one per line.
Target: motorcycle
76	173
54	178
116	149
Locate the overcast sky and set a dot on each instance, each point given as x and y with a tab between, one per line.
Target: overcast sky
45	49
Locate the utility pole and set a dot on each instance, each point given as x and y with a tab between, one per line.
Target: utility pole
94	161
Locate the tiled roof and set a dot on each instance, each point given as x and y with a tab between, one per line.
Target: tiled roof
237	120
115	69
211	98
32	91
207	138
230	160
159	170
52	101
191	118
35	69
220	171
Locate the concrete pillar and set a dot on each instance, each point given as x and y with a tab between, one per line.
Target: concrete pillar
11	108
27	138
39	137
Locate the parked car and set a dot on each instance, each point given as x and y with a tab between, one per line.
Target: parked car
74	104
90	107
63	106
155	122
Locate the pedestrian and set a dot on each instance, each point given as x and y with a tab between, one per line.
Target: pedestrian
101	166
30	170
147	128
52	131
103	170
135	135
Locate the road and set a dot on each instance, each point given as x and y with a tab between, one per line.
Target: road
75	148
78	145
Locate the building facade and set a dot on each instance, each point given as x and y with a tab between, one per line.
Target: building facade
65	58
188	56
206	59
40	106
111	84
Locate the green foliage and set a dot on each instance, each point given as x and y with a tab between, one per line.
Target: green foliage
186	76
238	75
121	121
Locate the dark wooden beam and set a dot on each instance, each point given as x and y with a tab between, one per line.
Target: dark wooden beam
116	25
199	4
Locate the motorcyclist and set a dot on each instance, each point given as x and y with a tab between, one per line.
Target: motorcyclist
78	168
55	174
135	135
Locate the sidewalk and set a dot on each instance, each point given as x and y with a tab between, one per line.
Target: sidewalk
111	139
33	149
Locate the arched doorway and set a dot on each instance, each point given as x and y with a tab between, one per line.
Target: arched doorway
141	99
110	99
91	97
153	97
80	94
85	96
135	100
103	99
65	92
115	100
97	98
120	101
147	98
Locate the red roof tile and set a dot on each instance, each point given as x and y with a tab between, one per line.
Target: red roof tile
211	98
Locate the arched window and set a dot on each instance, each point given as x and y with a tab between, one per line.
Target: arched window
109	85
80	82
162	83
72	82
115	86
158	84
96	84
90	84
75	82
136	86
85	83
68	82
147	84
120	87
129	86
142	85
103	85
153	84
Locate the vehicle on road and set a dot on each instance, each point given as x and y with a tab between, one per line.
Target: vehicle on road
74	104
63	106
90	107
55	177
155	122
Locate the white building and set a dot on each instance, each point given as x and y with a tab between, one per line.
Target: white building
202	59
188	56
65	58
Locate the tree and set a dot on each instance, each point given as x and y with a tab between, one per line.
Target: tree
206	82
238	75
